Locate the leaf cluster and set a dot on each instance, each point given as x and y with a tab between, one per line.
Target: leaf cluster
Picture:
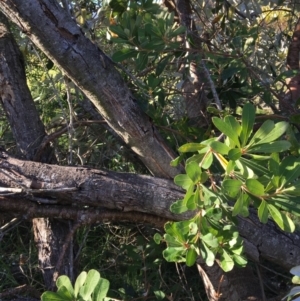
227	175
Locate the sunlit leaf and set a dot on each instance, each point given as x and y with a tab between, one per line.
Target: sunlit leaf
289	169
226	128
207	160
207	255
234	154
226	262
248	118
178	207
183	181
79	282
101	290
193	171
191	147
220	147
282	220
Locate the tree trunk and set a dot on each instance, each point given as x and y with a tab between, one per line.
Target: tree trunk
29	133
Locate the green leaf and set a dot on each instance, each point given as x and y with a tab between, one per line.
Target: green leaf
269	133
117	29
63	292
51	296
179	30
248	118
79	282
183	181
226	262
262	132
160	67
255	187
66	282
179	207
193	171
124	54
271	147
207	255
191	147
141	61
234	154
289	169
210	240
282	220
232	187
92	279
101	290
238	206
176	254
226	128
220	147
191	257
240	260
258	169
191	204
157	238
263	212
160	295
207	160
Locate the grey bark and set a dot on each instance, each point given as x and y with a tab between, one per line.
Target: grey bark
29	132
64	192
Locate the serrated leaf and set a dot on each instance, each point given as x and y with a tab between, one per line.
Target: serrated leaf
255	187
263	212
191	257
193	171
101	290
227	129
232	187
282	220
183	181
248	118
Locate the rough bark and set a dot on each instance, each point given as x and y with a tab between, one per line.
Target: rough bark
29	133
83	194
51	28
